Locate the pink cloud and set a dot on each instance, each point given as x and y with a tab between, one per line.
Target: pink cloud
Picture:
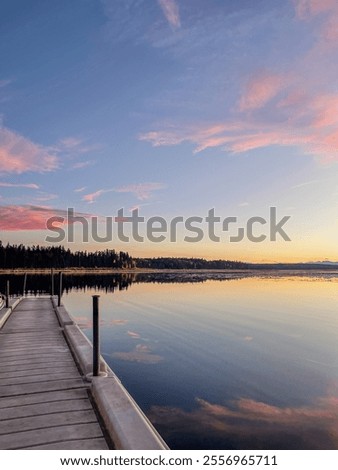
171	12
91	197
325	110
328	9
299	120
308	8
26	217
298	108
293	98
19	185
260	89
142	190
330	30
203	135
19	155
29	217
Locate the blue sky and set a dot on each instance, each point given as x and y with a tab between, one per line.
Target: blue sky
174	106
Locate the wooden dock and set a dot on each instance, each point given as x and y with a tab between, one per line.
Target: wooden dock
44	400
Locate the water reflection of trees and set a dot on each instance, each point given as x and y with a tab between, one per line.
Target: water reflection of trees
109	283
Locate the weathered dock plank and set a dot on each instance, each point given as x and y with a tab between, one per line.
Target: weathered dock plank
37	371
39	409
33	364
58	434
44	402
48	420
84	444
44	397
42	378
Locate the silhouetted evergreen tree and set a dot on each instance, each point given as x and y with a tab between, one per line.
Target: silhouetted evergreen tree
188	263
19	256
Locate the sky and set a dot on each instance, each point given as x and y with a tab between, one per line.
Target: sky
172	107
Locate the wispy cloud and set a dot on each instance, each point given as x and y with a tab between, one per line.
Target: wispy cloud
19	185
171	12
45	197
71	143
18	154
79	190
76	145
306	183
327	11
84	164
261	88
91	197
309	8
298	118
142	191
4	83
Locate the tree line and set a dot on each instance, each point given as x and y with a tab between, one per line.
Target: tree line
188	263
58	257
36	257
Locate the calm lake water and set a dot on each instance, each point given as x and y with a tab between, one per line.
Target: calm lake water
247	363
226	364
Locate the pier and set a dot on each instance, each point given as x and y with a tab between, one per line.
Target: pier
48	396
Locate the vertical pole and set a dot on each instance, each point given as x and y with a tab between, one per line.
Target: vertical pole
60	288
24	285
96	336
52	281
7	294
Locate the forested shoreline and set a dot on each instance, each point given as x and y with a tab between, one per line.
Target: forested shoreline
58	257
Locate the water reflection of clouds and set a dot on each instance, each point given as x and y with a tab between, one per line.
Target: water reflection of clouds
87	323
141	353
134	335
248	338
250	424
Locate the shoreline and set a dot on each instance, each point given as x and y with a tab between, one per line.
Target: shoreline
102	271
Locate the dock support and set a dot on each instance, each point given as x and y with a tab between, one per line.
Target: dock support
24	285
7	294
96	336
60	289
52	281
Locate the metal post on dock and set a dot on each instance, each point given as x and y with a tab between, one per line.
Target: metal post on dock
24	285
96	336
52	281
60	289
7	294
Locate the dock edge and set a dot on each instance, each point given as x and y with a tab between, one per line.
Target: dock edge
126	424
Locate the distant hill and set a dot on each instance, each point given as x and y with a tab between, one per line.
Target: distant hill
326	265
